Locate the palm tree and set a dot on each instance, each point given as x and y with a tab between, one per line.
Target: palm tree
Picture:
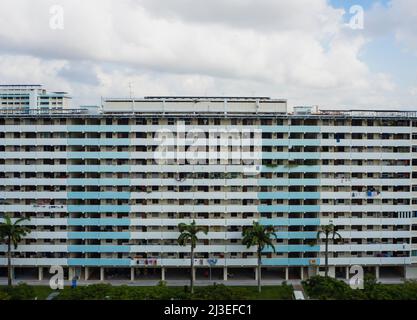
188	234
11	233
260	236
327	231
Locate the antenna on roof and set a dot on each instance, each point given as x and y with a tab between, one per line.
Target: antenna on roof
131	96
130	90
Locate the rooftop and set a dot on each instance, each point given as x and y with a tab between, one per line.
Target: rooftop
370	113
192	106
204	98
193	99
21	85
195	105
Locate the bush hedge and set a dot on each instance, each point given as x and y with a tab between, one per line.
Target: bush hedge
20	292
323	288
159	292
162	292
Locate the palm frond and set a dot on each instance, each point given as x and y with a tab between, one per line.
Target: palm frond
13	231
188	233
18	221
337	234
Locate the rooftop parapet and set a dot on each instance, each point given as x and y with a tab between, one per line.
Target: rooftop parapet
45	111
371	113
197	105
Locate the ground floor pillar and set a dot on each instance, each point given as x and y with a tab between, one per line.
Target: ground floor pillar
256	274
132	274
225	273
347	276
302	273
12	273
162	274
40	274
70	273
286	274
193	273
86	273
101	274
377	272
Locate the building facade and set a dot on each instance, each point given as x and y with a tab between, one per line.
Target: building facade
102	206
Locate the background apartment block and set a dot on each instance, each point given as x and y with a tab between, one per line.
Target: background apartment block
31	99
101	207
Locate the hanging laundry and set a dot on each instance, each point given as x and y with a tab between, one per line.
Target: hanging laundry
338	137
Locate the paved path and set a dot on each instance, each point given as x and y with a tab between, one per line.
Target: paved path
234	282
299	287
181	282
53	295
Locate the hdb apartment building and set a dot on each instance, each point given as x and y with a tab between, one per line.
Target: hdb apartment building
103	208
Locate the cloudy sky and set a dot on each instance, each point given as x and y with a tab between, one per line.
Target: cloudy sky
312	52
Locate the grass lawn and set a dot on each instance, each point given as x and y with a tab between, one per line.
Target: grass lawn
42	292
271	292
220	292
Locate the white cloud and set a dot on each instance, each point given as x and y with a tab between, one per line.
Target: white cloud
28	69
413	91
398	17
266	15
297	49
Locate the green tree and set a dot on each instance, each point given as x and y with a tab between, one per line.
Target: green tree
188	235
260	236
11	233
329	231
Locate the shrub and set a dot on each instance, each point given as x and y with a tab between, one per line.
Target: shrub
326	288
20	292
90	292
4	296
406	291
